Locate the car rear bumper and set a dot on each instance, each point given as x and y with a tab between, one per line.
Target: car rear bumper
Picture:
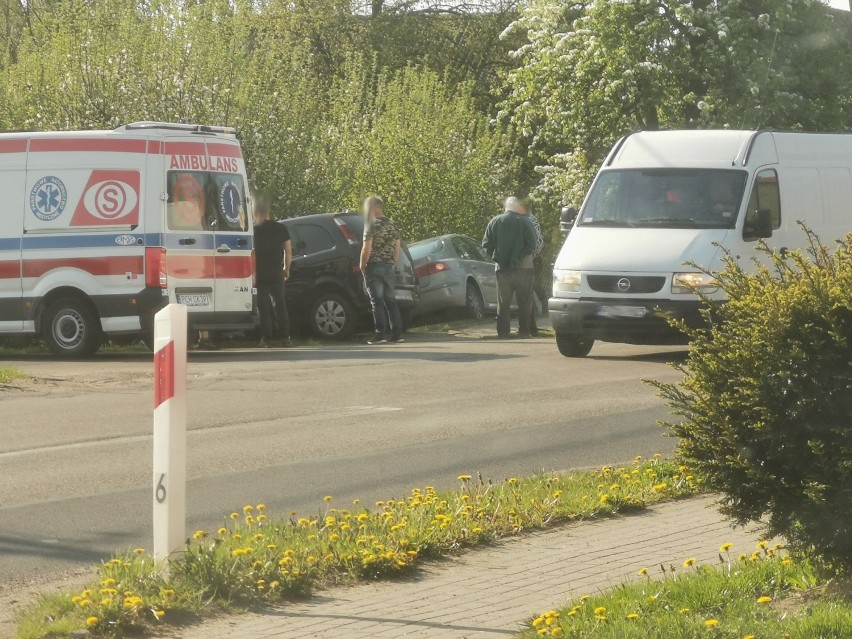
625	321
440	297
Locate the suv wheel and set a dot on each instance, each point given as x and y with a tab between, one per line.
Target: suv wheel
573	345
331	316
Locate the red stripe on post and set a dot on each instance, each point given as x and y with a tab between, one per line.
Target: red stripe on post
164	374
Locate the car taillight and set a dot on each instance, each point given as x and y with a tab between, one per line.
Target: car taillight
433	268
156	274
347	233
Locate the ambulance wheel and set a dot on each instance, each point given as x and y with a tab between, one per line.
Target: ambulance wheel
331	316
71	328
573	345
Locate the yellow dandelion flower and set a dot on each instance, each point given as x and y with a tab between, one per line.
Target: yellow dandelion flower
643	572
786	561
248	509
571	613
261	517
726	546
542	632
763	545
600	618
711	623
600	610
159	614
764	600
91	621
108	583
659	487
684	611
168	592
355	502
749	637
742	557
557	632
512	481
689	562
222	531
464	477
261	507
86	593
327	498
632	616
138	551
76	599
234	516
199	534
585	598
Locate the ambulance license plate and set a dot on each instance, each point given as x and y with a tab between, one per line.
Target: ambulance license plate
194	299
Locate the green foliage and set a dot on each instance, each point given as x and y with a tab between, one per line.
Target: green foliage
767	399
254	557
754	596
590	72
9	375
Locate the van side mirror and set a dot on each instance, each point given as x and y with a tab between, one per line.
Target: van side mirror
567	218
760	227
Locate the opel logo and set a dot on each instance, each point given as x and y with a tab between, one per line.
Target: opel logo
623	285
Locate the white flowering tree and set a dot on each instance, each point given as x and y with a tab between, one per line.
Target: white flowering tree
592	71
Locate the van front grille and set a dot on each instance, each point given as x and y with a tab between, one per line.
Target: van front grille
626	284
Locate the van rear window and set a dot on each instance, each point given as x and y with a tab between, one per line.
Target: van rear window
205	201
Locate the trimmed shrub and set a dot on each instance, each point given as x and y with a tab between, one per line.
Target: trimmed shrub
766	400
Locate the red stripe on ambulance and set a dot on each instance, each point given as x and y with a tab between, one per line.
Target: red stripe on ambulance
190	267
10	270
87	145
91	265
13	146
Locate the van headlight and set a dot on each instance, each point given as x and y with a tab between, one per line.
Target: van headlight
566	281
695	283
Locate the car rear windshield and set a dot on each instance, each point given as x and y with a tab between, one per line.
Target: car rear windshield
204	201
665	198
425	248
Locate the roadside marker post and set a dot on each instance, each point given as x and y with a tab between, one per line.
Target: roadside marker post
169	431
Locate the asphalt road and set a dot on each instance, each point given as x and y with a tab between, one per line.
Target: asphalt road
287	427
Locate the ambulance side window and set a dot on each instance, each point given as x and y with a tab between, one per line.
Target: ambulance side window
766	200
188	194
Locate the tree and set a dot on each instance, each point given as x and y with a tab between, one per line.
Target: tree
590	72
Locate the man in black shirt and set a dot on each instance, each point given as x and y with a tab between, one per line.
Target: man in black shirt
273	254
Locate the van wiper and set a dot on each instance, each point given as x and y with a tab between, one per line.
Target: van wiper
675	221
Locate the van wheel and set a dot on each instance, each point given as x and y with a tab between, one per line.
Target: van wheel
474	304
331	316
573	345
71	328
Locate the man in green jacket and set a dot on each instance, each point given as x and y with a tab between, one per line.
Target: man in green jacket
510	239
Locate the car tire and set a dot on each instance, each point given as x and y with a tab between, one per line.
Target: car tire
71	328
573	345
474	304
331	317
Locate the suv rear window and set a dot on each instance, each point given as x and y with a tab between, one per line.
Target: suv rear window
203	201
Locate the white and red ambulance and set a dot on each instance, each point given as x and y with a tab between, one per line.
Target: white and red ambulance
100	229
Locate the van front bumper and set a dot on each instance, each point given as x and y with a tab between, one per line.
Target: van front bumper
627	321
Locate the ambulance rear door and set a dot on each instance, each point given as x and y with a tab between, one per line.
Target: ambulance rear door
233	233
191	219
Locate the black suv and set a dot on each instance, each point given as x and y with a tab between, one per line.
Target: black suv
326	291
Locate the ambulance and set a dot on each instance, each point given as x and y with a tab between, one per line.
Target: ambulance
101	229
667	208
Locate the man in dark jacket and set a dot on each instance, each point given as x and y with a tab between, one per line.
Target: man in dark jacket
510	239
273	253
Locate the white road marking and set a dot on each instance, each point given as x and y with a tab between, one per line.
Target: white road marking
330	413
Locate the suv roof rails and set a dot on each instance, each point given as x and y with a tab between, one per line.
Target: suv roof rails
172	126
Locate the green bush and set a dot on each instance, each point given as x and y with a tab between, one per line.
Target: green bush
766	400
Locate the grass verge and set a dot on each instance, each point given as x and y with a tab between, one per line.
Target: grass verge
761	595
253	557
9	375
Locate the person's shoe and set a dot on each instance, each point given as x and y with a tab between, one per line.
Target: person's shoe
397	340
377	339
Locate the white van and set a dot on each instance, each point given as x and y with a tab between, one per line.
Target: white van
100	229
665	200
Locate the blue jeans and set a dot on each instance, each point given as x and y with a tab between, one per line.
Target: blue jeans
380	278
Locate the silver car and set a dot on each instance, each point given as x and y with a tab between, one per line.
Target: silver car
453	271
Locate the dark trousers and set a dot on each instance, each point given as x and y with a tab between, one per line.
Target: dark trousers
516	282
538	289
380	279
274	320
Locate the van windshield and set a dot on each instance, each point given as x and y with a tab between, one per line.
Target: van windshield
665	198
204	201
